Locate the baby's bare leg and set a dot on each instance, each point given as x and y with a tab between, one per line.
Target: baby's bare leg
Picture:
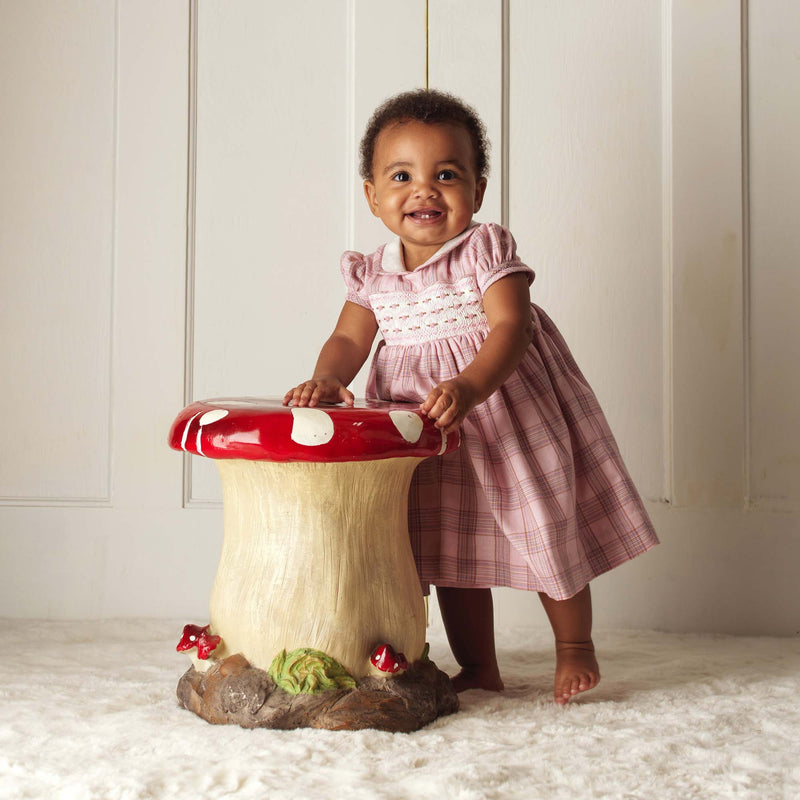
576	665
468	616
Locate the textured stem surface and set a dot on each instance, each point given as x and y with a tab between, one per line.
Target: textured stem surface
317	555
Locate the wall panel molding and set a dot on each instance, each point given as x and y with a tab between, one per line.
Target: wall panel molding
746	287
505	111
62	189
771	190
707	292
272	195
351	151
191	237
666	242
57	502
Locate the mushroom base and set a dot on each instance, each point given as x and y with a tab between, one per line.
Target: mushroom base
234	693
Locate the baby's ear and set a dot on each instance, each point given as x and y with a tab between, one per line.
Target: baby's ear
480	189
372	197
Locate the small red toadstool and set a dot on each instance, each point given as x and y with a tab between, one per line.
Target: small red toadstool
195	636
387	660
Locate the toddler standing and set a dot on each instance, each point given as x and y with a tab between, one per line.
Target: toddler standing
537	496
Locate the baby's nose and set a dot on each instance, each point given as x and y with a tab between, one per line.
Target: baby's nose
425	188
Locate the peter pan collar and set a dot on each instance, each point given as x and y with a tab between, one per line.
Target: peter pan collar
392	258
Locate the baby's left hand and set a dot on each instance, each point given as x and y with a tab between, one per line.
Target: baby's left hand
449	403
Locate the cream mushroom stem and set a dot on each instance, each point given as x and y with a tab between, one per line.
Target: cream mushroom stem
317	555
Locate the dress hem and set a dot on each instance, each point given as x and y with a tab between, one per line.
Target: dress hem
538	585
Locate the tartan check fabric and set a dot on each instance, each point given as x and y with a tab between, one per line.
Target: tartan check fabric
537	497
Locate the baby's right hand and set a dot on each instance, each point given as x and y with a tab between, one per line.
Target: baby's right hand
322	390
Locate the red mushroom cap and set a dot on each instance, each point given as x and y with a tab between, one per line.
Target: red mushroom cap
386	659
195	636
265	430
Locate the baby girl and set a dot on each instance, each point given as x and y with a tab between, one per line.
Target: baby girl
537	496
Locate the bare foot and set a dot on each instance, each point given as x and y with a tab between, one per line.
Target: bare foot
576	670
478	678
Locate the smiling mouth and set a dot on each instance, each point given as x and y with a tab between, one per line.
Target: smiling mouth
425	214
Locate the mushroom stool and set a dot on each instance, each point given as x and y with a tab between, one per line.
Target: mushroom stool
317	617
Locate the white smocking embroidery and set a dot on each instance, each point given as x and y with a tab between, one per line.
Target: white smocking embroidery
439	311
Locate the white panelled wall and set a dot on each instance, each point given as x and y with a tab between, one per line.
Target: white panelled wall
180	178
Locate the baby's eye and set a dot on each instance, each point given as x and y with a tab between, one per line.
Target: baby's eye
446	175
401	176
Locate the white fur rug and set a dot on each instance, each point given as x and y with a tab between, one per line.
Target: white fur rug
87	710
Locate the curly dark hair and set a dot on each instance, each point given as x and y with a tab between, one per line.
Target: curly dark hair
431	107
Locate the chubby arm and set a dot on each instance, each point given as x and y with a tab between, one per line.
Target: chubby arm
508	311
340	359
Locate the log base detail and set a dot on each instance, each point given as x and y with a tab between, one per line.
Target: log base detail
232	692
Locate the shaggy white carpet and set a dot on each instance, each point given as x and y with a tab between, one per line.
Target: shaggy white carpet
87	710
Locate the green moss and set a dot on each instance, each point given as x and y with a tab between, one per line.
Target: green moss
307	671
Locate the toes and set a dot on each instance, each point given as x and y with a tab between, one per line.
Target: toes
588	681
562	693
573	676
569	687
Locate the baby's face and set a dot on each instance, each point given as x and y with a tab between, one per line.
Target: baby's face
424	187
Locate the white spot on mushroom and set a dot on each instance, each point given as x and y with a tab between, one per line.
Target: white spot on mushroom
311	426
210	417
408	424
186	429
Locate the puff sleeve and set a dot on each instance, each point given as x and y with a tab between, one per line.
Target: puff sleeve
354	271
495	253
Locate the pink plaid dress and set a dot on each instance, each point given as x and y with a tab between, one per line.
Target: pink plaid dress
537	497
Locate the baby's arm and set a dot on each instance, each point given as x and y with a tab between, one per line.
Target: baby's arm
508	311
340	359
